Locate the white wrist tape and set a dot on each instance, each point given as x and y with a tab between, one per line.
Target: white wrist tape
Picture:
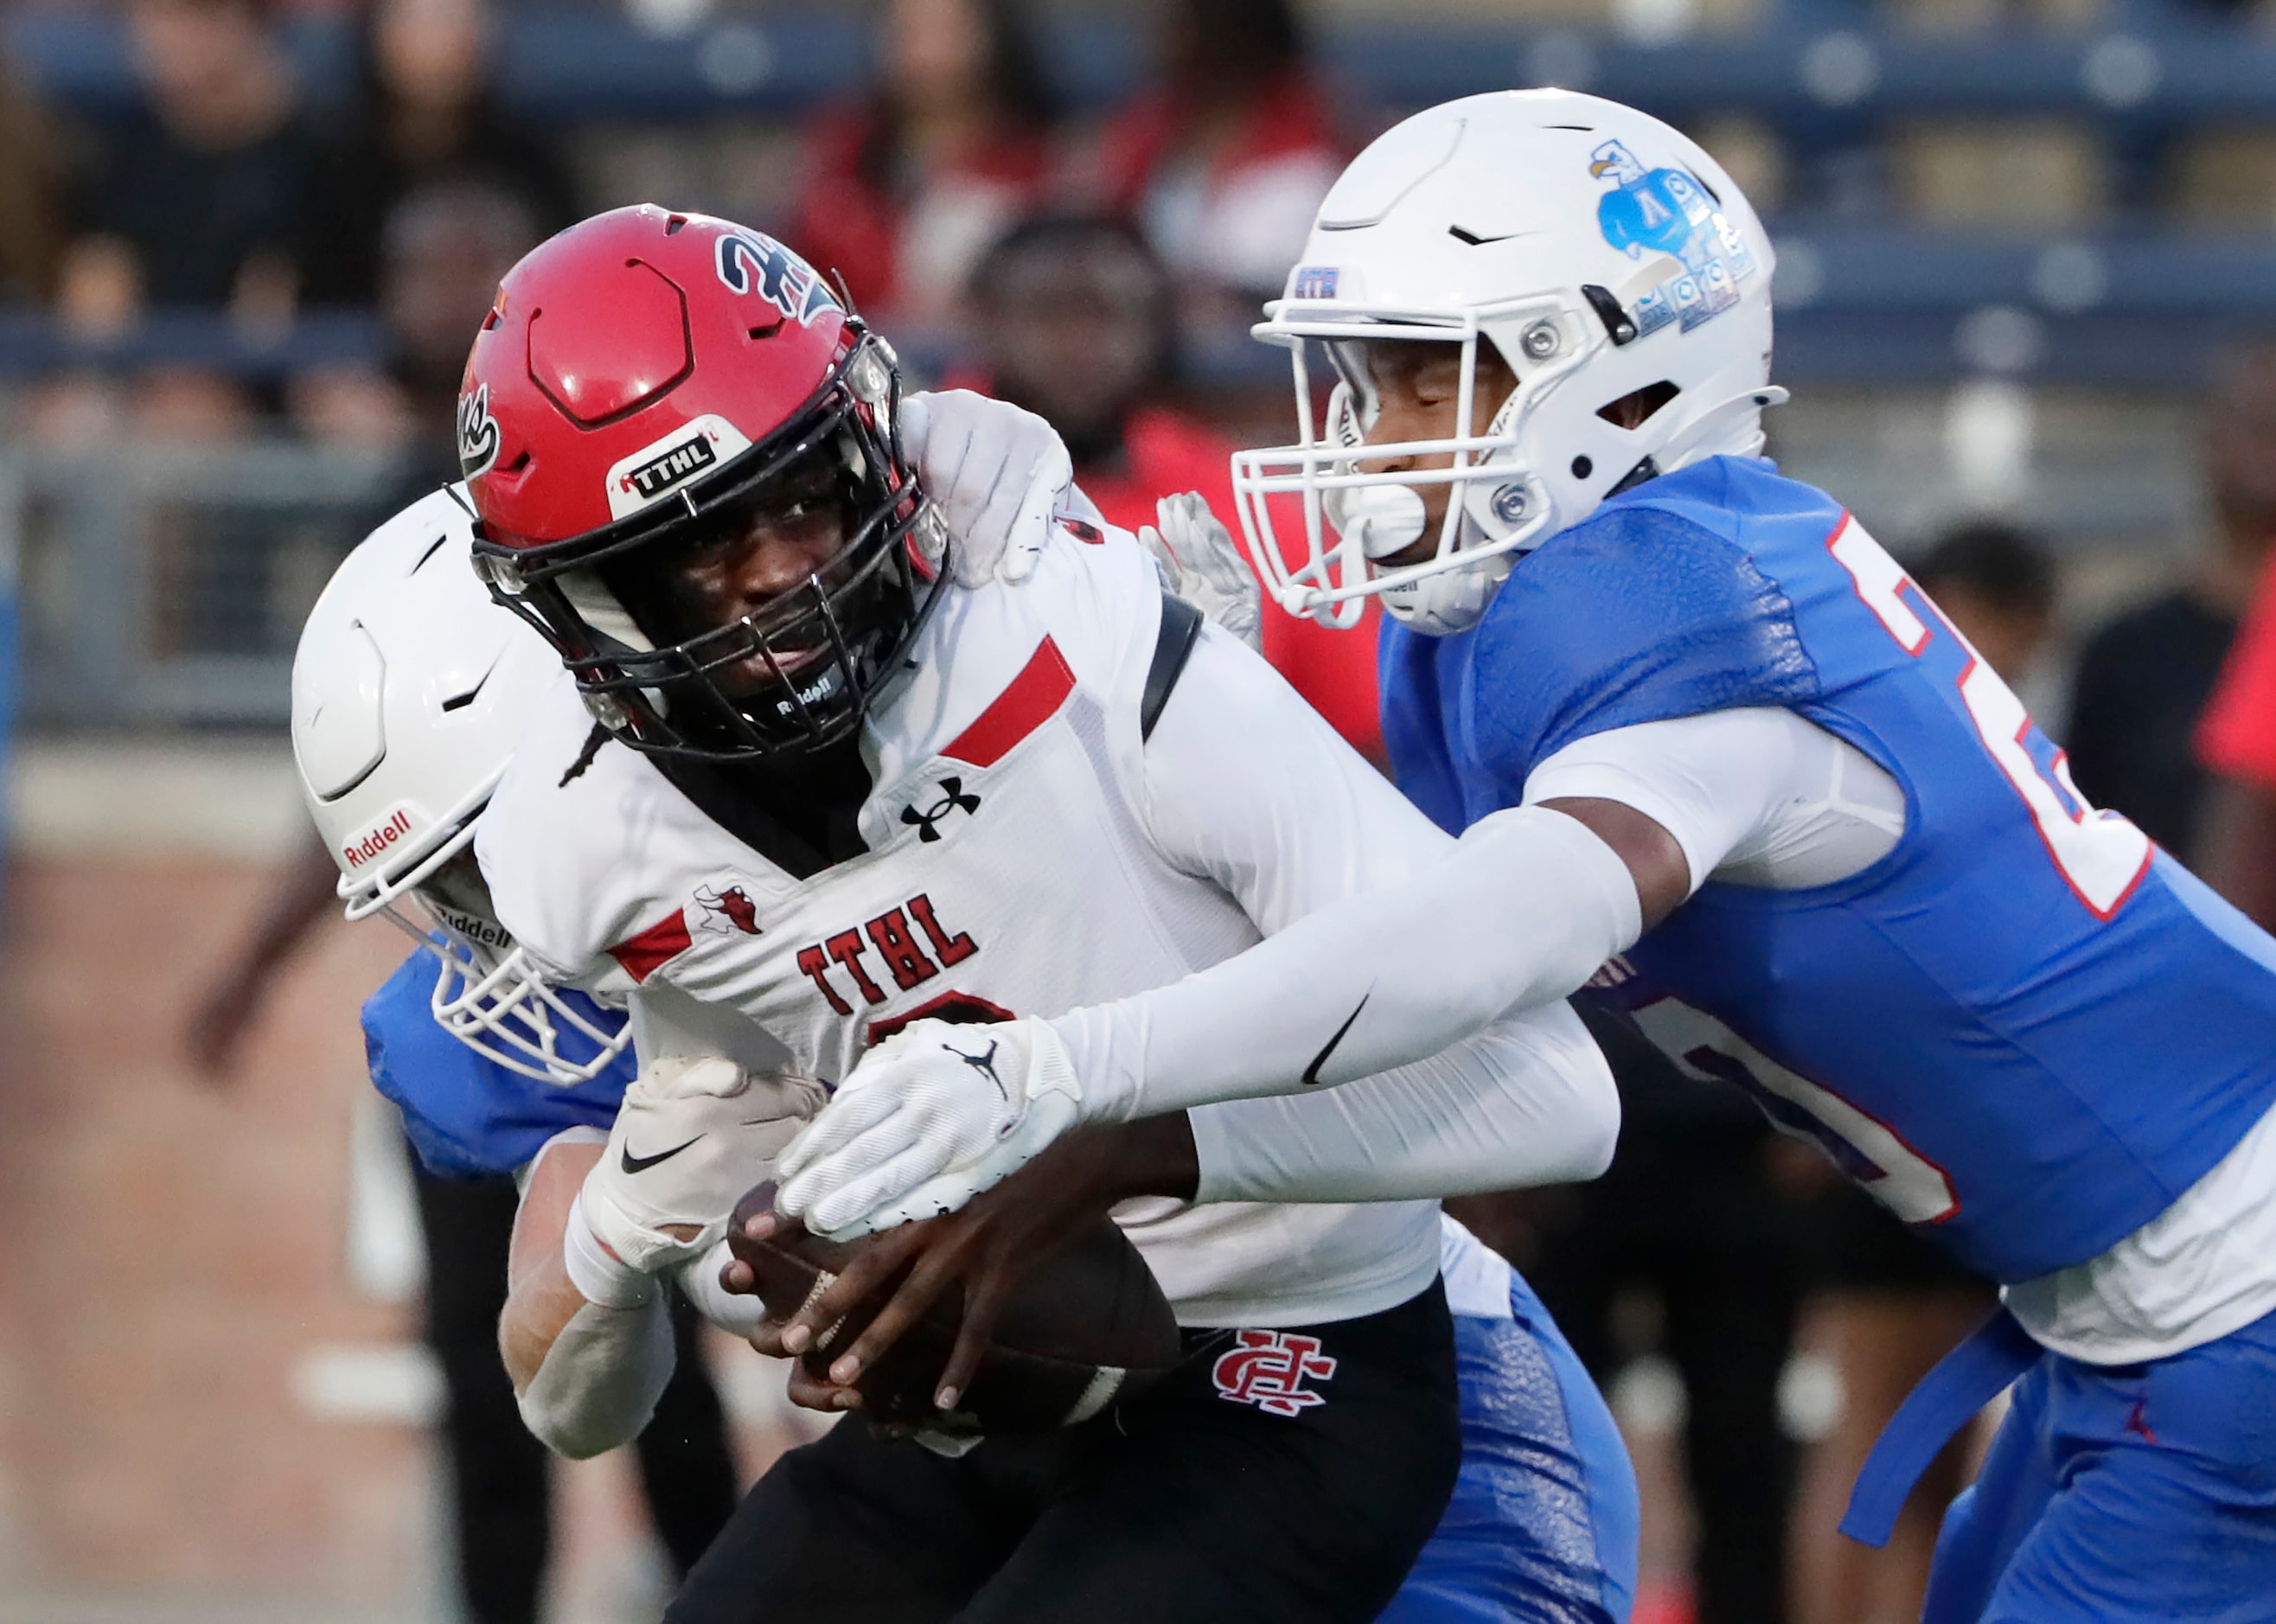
736	1313
600	1380
599	1274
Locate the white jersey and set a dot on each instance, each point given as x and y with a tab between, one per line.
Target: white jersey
1027	854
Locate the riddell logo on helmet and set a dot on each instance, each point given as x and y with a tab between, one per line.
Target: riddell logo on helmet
683	460
474	928
377	842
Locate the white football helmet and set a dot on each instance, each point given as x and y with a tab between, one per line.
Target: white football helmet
1610	262
410	690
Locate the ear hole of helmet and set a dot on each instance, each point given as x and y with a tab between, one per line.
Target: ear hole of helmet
1638	406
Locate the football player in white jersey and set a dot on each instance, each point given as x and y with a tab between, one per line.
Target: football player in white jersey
410	690
852	802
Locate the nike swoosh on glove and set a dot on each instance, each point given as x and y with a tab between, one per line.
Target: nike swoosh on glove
928	1119
692	1136
996	471
1201	563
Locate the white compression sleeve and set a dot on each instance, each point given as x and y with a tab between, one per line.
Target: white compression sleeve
600	1380
1526	908
1758	796
1529	1100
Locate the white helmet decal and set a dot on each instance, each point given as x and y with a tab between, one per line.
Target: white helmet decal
1611	265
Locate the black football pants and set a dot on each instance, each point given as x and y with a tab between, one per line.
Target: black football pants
1183	1504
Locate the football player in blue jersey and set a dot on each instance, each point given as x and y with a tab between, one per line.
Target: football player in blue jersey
411	689
1714	755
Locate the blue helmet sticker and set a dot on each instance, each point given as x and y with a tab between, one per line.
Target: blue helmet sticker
1668	211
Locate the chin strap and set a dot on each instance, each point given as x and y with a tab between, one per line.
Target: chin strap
601	610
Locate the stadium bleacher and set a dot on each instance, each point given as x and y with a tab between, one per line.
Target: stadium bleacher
2089	204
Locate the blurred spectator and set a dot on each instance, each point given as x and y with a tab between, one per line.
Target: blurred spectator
428	114
1074	320
197	198
1225	163
1998	585
2144	678
2237	740
29	229
444	251
902	192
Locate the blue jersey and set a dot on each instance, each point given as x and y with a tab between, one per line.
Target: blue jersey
2026	1029
469	1116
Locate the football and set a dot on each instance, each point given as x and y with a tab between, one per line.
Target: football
1087	1329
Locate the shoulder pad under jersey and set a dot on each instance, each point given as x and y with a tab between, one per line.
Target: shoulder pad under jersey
1638	614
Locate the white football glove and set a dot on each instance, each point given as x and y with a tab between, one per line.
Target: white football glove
929	1118
692	1134
1201	563
998	473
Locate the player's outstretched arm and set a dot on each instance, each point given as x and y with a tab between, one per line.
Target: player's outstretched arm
1453	1125
1246	786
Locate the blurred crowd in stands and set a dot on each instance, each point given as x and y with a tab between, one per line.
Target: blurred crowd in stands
225	191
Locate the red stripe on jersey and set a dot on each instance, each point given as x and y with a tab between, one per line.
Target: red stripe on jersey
1033	699
643	956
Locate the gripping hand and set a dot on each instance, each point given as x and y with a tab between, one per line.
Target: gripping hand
1201	563
999	473
930	1119
691	1137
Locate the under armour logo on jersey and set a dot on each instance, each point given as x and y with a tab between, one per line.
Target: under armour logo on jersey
953	798
730	909
984	1064
1269	1368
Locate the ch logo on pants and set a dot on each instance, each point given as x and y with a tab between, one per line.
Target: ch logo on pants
1269	1368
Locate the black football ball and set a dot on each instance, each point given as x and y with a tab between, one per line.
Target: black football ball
1087	1329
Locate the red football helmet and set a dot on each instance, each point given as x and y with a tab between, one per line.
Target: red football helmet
645	384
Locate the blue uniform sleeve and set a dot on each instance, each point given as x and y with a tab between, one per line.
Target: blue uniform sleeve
469	1116
1637	615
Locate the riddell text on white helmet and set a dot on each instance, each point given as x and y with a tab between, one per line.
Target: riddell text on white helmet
377	843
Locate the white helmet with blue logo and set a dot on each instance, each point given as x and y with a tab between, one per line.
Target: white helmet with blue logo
1607	259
